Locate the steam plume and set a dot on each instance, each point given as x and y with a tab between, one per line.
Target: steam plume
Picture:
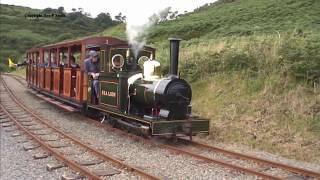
137	31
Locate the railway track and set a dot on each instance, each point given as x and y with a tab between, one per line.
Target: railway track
267	163
187	147
21	80
62	146
202	151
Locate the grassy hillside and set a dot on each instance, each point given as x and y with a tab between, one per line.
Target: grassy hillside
19	33
254	68
243	17
115	31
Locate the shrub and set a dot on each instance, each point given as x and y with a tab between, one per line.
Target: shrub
301	57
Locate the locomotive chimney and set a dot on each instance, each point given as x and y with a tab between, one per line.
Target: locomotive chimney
174	55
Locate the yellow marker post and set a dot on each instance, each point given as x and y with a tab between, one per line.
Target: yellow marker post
11	64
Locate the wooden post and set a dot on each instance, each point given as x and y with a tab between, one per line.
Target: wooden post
41	56
83	84
83	56
49	58
27	77
69	55
42	69
58	56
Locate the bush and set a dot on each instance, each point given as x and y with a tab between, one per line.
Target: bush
301	57
235	61
229	60
4	68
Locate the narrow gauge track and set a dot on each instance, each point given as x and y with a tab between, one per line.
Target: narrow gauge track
293	169
189	150
187	147
20	79
29	122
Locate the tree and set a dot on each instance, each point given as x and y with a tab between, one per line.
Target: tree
104	20
118	17
87	14
80	10
61	10
163	15
48	11
124	18
173	15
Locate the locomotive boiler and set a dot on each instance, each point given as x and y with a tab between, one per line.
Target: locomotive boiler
167	97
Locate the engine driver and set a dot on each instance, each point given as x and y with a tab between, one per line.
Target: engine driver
92	68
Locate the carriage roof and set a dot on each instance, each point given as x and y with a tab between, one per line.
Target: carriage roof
85	41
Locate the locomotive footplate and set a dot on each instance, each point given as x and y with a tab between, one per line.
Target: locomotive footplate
191	126
186	127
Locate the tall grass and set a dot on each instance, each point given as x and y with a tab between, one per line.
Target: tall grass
286	53
254	91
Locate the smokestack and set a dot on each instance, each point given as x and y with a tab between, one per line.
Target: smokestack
174	55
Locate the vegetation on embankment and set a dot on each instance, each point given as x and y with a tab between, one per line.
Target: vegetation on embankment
257	92
20	71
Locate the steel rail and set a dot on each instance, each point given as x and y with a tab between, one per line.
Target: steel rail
148	141
16	77
186	152
294	169
70	163
221	162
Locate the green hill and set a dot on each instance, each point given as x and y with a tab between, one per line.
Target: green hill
244	17
19	32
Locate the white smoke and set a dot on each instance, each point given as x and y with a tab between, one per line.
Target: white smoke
137	31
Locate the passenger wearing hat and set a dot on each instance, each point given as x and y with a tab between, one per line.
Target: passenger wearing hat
92	68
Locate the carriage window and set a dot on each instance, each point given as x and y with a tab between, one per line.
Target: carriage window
63	57
75	59
53	58
46	58
102	60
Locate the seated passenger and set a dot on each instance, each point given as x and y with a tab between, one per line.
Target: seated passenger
46	63
92	68
64	59
53	63
73	63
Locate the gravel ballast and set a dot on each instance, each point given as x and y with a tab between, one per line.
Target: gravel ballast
17	163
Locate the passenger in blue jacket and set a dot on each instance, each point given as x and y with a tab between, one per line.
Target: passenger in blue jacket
92	68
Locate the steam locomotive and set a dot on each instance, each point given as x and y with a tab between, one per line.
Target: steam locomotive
133	95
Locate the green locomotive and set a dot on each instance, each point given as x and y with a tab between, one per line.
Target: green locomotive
133	95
